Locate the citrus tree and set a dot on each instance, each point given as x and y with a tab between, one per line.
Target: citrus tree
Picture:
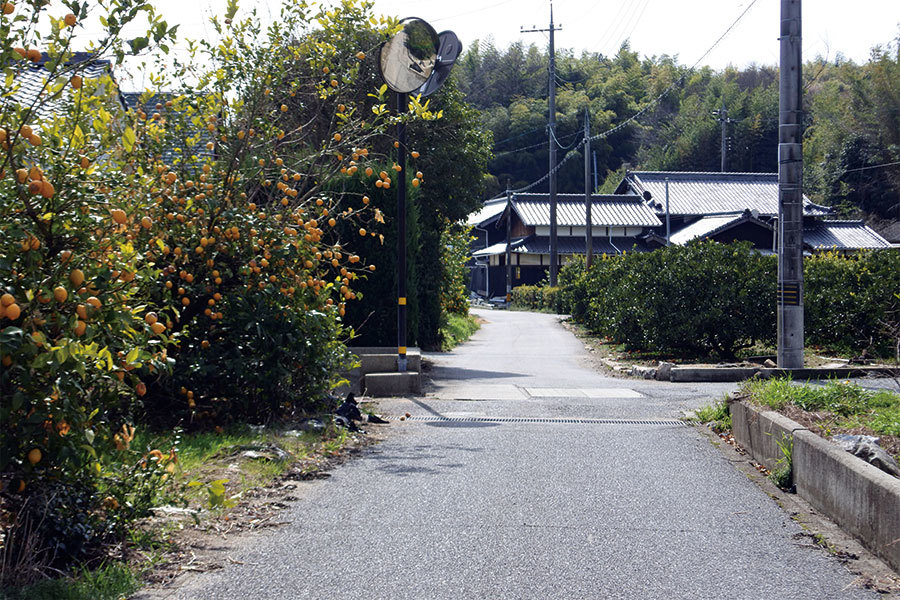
177	259
70	329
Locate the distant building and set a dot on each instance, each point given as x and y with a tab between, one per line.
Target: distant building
31	83
618	224
724	207
728	207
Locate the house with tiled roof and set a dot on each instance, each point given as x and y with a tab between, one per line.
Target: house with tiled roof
618	224
32	82
648	210
728	207
32	85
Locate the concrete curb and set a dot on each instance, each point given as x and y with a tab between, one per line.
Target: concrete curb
735	374
377	374
860	498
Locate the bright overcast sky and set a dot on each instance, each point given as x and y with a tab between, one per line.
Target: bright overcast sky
686	28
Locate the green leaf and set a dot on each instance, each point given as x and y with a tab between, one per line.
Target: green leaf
132	355
138	44
231	9
89	435
128	139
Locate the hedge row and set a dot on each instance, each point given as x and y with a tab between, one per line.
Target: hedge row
536	297
708	298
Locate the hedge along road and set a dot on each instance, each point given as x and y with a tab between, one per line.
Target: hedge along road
474	508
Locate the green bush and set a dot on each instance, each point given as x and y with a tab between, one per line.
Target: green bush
851	302
537	297
709	298
698	299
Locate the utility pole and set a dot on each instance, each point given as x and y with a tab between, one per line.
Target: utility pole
508	244
588	207
790	191
722	117
554	254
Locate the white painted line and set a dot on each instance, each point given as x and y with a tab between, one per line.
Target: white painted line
469	391
583	393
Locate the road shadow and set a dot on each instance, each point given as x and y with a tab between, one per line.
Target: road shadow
460	424
438	373
403	464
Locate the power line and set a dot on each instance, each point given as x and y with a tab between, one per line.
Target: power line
678	81
890	164
542	127
636	22
652	103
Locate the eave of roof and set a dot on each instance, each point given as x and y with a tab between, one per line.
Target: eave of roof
489	213
707	227
842	235
606	211
706	193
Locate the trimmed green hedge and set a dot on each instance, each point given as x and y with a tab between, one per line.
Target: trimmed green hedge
536	297
708	298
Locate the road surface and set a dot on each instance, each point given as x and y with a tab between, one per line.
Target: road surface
582	486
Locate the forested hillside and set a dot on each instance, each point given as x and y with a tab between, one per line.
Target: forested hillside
852	119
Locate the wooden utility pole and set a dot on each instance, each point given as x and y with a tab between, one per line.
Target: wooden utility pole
508	245
588	192
554	253
722	117
790	191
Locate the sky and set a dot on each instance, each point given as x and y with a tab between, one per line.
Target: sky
683	28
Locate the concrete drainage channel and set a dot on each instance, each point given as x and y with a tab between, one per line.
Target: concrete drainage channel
560	420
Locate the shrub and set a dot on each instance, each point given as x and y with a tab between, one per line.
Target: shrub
712	298
181	260
851	301
697	299
537	297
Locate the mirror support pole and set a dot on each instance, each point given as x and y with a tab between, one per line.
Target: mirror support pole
402	100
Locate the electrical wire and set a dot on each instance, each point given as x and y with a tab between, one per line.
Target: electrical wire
890	164
636	22
651	104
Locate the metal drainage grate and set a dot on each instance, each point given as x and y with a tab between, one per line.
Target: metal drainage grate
430	418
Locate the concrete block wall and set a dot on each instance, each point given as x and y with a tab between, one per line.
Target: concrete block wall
860	498
759	432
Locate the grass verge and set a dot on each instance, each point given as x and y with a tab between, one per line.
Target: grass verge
219	484
832	408
850	405
109	582
457	330
716	414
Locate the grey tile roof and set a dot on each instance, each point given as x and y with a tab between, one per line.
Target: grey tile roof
491	212
156	103
712	193
606	210
31	78
565	245
842	235
710	226
498	248
576	245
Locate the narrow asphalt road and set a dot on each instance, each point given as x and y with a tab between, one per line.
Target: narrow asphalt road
623	504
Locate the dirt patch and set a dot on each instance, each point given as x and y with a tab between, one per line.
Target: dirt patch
825	425
204	540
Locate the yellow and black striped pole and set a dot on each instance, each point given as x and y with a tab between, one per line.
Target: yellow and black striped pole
402	100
